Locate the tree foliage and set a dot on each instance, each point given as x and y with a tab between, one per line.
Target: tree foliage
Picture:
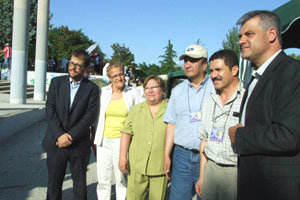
232	40
145	70
6	26
6	22
293	55
63	41
32	32
167	63
122	55
153	69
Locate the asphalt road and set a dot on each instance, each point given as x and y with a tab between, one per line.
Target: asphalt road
23	169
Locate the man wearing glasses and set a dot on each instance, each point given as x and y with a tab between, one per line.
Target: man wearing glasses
183	119
71	109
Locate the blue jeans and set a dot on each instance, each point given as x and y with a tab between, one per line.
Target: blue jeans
7	62
185	173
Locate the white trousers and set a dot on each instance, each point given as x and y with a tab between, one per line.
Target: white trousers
108	171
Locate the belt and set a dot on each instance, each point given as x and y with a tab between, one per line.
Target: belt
221	165
192	150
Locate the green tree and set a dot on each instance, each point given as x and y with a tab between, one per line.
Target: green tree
153	70
147	70
6	26
32	33
62	42
141	70
167	63
122	55
232	40
293	55
6	22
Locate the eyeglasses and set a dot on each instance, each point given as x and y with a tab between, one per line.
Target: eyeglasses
192	60
117	75
151	88
75	65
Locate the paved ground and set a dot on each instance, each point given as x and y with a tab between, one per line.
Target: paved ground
7	109
23	168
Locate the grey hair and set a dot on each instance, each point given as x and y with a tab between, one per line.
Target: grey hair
268	19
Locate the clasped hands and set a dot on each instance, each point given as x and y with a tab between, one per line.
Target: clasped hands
64	140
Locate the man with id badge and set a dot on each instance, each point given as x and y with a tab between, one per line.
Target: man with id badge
183	117
218	171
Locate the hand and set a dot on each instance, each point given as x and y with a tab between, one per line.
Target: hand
167	166
123	165
198	187
64	140
232	132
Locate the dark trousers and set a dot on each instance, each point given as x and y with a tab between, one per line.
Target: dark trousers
57	164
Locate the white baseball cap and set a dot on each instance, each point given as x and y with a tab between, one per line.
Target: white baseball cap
194	51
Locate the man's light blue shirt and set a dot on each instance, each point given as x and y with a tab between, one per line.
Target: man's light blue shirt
73	90
186	98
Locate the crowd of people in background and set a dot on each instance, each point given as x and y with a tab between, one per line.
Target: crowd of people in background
215	137
96	64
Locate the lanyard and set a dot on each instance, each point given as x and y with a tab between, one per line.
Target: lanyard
228	112
188	96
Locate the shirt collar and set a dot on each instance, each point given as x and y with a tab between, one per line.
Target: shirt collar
200	84
75	83
216	97
259	72
162	108
109	87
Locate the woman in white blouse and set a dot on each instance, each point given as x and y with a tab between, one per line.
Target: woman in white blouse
115	102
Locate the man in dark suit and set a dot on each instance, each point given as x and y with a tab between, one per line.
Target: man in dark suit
268	137
71	109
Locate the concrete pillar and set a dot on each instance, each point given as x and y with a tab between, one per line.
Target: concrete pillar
41	58
19	52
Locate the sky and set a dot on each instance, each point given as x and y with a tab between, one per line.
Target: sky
145	26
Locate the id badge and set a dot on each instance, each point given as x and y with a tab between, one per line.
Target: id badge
195	116
217	135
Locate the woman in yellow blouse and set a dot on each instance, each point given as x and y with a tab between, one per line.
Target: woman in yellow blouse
116	100
143	134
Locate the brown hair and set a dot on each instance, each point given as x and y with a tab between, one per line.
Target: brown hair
114	65
157	79
82	55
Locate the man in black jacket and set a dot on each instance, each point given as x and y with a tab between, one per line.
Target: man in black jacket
268	137
71	109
